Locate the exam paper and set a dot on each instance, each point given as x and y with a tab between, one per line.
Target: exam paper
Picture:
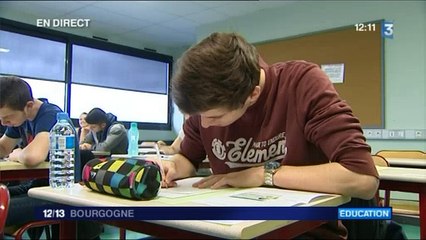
148	151
263	197
184	189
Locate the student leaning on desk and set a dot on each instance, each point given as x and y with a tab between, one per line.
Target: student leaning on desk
28	120
106	133
245	113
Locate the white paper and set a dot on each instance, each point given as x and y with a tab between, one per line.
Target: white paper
184	189
335	72
262	197
148	151
227	222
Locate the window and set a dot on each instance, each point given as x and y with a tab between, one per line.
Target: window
35	57
103	68
43	89
132	84
128	106
133	88
40	62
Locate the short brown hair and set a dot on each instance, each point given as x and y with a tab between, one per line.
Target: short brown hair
14	93
220	71
96	116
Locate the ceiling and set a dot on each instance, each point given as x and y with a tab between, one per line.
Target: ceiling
166	24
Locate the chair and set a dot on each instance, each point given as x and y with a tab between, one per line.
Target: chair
401	206
42	223
4	208
381	162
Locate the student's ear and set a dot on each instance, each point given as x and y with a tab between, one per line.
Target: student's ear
103	125
28	107
252	98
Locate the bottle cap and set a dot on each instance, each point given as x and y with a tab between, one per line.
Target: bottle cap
61	115
133	125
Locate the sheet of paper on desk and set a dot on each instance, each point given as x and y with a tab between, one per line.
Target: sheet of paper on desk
148	151
184	189
263	197
147	145
162	156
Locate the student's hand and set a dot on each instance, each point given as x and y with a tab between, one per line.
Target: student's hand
170	174
167	149
161	143
252	177
85	146
15	155
85	131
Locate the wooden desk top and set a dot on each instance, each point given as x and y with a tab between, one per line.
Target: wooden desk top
407	162
417	175
82	196
9	165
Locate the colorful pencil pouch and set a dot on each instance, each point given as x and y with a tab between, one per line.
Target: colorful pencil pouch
125	177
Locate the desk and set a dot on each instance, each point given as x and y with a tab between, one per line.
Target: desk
10	171
406	180
82	196
407	162
101	153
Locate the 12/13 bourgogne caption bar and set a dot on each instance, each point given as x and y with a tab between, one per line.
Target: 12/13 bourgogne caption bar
212	213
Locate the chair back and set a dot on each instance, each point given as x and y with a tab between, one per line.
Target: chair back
413	154
4	207
380	161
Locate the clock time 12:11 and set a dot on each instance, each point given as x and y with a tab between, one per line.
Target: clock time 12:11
365	27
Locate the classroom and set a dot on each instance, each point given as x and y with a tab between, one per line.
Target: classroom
121	57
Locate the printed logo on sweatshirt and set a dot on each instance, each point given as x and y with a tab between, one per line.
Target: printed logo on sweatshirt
247	153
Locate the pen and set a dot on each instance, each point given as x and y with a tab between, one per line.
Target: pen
163	175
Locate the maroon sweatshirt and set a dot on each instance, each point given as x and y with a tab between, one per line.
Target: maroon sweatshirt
298	119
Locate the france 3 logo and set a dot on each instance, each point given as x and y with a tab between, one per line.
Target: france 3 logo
387	29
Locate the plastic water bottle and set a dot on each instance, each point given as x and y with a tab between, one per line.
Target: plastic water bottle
62	152
133	135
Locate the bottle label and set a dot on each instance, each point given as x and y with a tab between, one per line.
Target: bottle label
70	141
65	142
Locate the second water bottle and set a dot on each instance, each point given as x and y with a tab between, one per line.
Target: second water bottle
133	136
